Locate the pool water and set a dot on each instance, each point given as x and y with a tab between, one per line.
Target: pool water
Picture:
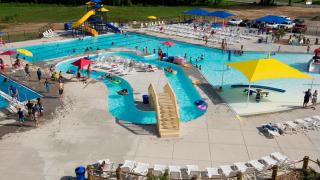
123	107
212	66
24	93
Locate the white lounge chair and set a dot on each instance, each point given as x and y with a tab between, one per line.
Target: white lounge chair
141	168
257	165
128	165
193	170
175	172
268	161
279	157
213	172
158	168
227	171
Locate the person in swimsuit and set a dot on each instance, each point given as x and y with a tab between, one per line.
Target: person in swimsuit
307	95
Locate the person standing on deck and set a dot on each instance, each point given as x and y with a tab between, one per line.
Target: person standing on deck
20	117
46	86
307	95
39	74
314	99
88	71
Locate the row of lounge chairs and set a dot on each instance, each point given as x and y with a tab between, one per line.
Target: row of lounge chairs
249	169
231	35
291	127
49	34
150	24
121	66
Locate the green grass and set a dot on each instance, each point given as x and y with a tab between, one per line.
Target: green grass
33	13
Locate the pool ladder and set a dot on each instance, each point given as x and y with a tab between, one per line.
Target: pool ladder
166	107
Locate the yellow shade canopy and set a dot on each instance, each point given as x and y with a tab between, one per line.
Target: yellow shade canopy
25	52
152	17
262	69
103	10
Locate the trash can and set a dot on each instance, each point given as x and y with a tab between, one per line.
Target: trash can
80	172
145	99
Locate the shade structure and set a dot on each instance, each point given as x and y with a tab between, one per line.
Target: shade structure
25	52
152	17
220	14
103	10
317	51
272	19
197	12
262	69
168	43
80	63
9	52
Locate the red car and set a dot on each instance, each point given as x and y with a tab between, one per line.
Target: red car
299	28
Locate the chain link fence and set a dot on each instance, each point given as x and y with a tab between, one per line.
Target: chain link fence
16	36
313	30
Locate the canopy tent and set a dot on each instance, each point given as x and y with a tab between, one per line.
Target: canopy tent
152	17
272	19
220	14
168	44
25	52
80	63
262	69
9	53
317	51
197	12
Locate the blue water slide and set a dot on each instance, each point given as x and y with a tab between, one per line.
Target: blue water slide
115	29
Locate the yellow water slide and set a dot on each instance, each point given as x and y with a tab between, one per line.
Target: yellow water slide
83	18
90	30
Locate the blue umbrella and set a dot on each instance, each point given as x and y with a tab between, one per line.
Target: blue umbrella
198	12
272	19
220	14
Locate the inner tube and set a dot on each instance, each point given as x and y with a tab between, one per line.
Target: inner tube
202	107
173	72
116	81
199	102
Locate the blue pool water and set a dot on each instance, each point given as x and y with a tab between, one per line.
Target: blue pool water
123	107
213	64
24	93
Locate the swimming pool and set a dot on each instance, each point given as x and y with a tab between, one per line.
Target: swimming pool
24	93
213	65
123	107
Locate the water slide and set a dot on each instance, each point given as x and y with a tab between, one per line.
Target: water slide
90	30
83	19
115	29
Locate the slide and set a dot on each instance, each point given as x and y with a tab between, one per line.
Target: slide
115	29
90	30
83	19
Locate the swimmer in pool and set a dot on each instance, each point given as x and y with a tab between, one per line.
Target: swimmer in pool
123	92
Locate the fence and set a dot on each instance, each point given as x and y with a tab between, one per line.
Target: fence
283	171
313	30
16	36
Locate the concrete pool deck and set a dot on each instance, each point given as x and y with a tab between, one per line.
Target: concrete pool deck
86	132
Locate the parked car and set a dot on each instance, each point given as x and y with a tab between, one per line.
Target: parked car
235	21
298	21
272	26
299	28
288	25
247	23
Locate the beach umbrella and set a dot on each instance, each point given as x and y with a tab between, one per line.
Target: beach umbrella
272	19
262	69
80	63
197	12
317	51
9	53
152	17
25	52
168	44
220	14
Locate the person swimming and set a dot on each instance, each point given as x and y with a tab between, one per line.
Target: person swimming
169	69
123	92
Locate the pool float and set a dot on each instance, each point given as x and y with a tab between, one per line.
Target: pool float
116	81
173	71
199	102
202	107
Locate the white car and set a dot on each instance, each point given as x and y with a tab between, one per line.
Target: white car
286	25
235	21
272	25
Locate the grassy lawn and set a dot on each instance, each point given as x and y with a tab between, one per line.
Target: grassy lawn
26	13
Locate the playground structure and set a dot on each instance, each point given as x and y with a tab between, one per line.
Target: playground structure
92	21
